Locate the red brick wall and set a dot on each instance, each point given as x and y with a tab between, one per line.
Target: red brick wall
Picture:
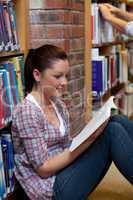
61	22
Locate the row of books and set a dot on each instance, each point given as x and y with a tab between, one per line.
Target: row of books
130	61
11	86
103	31
6	164
129	100
8	31
113	65
108	70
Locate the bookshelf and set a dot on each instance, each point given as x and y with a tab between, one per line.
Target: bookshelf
13	49
105	48
88	60
117	42
10	56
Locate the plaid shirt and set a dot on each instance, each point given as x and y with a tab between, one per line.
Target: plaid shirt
35	140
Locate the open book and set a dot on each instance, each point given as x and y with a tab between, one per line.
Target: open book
88	131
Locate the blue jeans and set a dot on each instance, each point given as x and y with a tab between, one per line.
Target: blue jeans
79	179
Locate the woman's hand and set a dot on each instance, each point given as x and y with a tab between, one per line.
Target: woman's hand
105	11
112	9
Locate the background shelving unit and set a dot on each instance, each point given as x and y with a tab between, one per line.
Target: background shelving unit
103	47
21	9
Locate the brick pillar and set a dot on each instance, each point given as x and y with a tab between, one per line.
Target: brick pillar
61	22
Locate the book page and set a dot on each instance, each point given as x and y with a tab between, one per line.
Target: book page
102	115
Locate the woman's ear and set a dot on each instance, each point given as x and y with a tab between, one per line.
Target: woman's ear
37	75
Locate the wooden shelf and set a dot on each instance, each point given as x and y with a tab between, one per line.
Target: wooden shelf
112	43
11	54
87	61
22	10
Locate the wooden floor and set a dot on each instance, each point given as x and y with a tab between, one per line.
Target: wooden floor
113	187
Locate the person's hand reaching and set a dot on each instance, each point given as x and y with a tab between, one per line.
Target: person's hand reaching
105	11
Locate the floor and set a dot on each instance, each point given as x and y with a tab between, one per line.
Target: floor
113	187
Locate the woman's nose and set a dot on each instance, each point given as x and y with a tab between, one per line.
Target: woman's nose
64	81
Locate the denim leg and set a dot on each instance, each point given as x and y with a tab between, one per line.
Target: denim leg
121	137
125	122
77	180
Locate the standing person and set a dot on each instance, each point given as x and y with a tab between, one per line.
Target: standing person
120	19
44	166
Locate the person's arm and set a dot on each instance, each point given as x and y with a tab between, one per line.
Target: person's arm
118	23
29	125
61	160
120	13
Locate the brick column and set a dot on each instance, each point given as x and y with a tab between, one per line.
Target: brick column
61	22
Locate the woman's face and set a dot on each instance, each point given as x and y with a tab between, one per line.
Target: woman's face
53	81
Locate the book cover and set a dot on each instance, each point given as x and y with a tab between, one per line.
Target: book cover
97	76
89	131
21	63
1	102
6	96
6	66
1	37
5	162
18	76
2	175
8	25
14	83
4	28
7	144
12	16
96	23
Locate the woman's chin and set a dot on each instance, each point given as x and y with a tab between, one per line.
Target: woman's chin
58	93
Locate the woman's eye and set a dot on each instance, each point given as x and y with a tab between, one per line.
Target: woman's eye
57	76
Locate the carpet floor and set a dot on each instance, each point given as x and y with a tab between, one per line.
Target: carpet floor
113	187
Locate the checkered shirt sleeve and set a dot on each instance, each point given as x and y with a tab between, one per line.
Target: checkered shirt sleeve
30	127
129	28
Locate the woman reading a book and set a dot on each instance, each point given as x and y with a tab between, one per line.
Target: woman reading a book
120	19
44	165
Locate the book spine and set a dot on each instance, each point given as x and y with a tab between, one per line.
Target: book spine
2	177
1	102
6	140
18	75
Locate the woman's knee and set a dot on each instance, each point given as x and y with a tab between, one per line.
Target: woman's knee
114	128
118	118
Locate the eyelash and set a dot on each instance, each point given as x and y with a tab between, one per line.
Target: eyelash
59	76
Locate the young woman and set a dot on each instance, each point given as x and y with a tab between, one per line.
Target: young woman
44	166
120	19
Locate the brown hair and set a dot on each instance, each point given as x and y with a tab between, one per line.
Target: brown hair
40	58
